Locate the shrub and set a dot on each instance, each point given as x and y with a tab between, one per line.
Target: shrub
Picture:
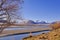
55	25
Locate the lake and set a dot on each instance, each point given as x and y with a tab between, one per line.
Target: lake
20	36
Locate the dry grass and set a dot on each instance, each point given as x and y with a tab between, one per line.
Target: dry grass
55	25
52	35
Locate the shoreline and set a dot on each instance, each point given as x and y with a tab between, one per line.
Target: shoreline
17	32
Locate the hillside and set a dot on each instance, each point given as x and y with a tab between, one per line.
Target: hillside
52	35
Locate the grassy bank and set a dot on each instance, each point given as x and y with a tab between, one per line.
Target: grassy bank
52	35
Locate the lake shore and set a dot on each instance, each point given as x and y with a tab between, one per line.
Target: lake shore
52	35
28	30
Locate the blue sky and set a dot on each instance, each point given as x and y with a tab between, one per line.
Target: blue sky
43	10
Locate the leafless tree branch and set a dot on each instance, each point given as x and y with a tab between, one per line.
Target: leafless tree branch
9	6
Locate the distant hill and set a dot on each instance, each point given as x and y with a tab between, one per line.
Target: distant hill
42	22
30	22
55	22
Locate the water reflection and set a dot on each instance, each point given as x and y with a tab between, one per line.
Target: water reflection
19	37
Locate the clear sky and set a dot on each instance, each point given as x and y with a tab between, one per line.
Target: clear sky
43	10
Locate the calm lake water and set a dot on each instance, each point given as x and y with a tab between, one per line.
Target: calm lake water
19	37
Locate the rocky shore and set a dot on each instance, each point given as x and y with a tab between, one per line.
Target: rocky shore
52	35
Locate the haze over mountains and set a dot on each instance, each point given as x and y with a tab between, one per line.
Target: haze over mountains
32	22
3	20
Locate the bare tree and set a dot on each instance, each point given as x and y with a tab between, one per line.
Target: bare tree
10	8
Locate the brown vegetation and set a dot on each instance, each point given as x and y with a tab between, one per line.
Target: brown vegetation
52	35
55	25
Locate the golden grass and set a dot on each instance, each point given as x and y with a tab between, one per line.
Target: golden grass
52	35
55	25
